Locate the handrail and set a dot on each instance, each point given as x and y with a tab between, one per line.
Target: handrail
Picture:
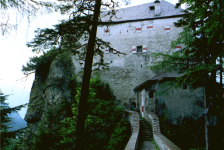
163	142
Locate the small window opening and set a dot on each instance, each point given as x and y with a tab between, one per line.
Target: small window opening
111	50
185	86
151	94
152	7
82	66
111	61
133	105
139	49
141	65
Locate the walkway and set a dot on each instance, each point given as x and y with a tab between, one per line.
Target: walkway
146	145
145	136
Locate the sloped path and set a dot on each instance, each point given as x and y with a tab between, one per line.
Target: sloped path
146	145
145	136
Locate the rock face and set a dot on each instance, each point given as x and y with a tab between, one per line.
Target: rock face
52	89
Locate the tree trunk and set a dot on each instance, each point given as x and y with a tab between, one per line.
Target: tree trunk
206	102
82	107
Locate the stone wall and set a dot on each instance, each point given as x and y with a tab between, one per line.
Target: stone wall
163	142
175	103
133	118
179	103
128	69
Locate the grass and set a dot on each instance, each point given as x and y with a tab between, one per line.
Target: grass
156	146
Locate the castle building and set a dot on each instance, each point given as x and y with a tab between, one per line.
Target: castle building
135	33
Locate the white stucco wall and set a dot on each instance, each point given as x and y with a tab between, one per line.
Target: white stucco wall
129	69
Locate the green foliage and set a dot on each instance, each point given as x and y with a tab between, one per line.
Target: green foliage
48	133
201	42
120	137
41	64
187	134
156	146
6	135
104	127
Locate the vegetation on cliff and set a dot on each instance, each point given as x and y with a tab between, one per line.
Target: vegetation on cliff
105	129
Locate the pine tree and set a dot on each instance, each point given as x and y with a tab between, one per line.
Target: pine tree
5	120
20	9
202	56
84	19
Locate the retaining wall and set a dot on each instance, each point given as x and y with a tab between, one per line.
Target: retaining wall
133	118
163	142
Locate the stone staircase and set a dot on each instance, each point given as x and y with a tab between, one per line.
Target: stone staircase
145	131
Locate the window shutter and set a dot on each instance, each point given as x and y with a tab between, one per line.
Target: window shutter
107	31
167	29
107	50
133	49
114	50
150	27
138	29
177	47
144	48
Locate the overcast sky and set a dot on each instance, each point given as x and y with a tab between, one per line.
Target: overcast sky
14	54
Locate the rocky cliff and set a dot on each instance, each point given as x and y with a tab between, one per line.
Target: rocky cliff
50	87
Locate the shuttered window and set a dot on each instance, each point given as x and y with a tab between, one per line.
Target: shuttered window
133	49
139	49
111	50
149	27
138	29
144	48
167	28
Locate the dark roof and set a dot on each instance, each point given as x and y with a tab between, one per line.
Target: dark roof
143	12
159	77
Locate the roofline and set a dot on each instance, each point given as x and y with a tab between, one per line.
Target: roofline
125	21
142	85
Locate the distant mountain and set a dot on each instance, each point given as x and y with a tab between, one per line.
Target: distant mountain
17	122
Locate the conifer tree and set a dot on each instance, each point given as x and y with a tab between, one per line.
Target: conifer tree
201	56
20	9
84	18
5	120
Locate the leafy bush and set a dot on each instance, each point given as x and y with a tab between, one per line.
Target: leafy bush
104	126
187	134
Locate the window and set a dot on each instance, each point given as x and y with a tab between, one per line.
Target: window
111	50
133	105
151	94
81	65
152	7
139	49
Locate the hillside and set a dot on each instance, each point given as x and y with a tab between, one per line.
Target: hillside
17	121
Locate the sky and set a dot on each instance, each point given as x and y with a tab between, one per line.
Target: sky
14	53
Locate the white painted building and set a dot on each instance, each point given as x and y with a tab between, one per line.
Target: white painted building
136	32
